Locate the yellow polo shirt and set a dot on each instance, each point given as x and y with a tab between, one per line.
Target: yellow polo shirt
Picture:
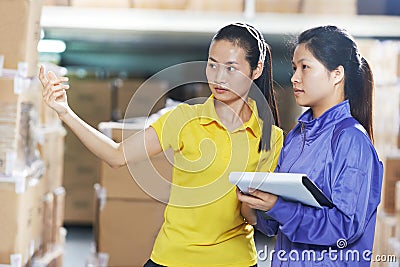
203	225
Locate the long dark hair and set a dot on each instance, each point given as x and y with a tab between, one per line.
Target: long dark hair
335	47
239	34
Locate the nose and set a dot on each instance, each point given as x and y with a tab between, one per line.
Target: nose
295	77
220	78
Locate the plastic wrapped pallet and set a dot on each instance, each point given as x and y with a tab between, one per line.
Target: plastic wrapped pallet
20	227
20	24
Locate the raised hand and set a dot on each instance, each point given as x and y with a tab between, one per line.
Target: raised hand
54	91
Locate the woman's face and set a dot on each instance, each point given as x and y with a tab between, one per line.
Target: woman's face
313	83
228	72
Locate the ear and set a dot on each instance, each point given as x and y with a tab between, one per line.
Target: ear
258	70
338	74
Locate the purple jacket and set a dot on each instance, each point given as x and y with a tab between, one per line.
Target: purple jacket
345	166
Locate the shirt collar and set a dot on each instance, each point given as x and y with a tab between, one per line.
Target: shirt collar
209	115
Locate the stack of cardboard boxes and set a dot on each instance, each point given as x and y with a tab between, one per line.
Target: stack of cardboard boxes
383	59
138	194
95	101
31	147
342	7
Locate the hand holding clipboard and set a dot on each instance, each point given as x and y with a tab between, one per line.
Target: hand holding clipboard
290	186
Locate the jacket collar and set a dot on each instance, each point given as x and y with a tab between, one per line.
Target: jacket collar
328	118
209	115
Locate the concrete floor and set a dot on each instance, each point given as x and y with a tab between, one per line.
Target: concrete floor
80	239
77	246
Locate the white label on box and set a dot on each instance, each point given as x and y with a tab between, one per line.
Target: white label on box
103	259
23	69
16	260
20	184
1	64
21	84
9	164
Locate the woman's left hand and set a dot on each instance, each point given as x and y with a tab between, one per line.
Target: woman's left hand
257	199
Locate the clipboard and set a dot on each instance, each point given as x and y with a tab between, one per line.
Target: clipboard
290	186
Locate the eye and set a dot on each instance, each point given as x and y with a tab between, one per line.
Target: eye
305	67
212	65
230	68
294	68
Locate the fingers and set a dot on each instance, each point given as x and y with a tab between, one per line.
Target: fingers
42	77
248	199
50	78
54	93
257	199
51	75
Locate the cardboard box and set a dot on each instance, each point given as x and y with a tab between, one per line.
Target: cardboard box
383	58
159	4
79	205
52	153
278	6
129	242
90	99
386	116
141	181
18	220
18	117
341	7
391	177
56	2
54	257
48	200
397	208
101	3
8	126
21	24
385	229
81	167
94	101
137	98
58	214
212	5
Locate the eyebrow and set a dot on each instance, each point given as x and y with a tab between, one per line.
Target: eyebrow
300	60
226	63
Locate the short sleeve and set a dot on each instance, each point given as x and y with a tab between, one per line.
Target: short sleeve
169	126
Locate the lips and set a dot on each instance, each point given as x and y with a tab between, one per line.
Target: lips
220	89
297	91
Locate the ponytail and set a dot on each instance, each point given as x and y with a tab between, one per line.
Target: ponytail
265	84
361	98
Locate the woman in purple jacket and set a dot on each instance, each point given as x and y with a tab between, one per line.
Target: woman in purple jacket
332	144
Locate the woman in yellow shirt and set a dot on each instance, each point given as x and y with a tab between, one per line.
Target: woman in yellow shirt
229	132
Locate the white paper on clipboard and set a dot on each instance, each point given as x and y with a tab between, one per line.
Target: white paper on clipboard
290	186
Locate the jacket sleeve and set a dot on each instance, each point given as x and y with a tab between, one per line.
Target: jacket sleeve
266	224
355	178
